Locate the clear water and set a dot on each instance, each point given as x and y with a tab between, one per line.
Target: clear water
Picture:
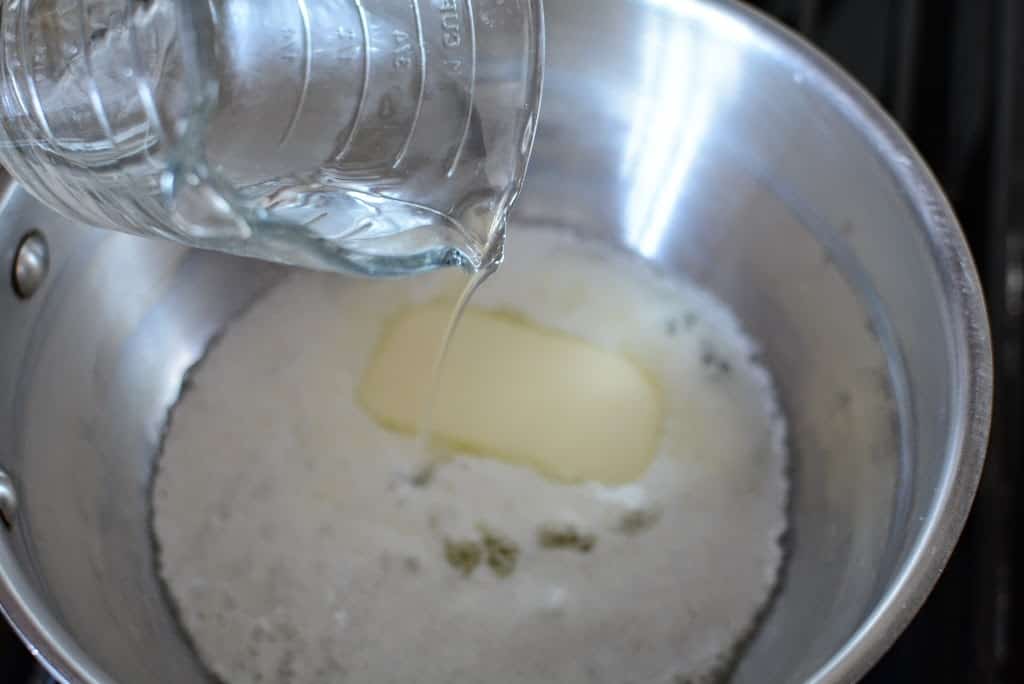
492	258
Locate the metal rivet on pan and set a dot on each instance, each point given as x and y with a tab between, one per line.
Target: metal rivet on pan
31	264
8	498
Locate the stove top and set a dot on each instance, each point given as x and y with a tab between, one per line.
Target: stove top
949	72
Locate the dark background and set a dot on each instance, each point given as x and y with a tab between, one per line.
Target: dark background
952	74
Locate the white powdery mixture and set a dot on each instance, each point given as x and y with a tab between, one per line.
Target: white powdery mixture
297	550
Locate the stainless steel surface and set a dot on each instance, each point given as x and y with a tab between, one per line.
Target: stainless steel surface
8	499
31	264
695	133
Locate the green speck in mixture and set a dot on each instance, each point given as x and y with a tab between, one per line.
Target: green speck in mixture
637	520
463	555
501	552
565	536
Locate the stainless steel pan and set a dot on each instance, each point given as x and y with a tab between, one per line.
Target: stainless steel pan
698	134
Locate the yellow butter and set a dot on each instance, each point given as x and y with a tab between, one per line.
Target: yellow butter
516	392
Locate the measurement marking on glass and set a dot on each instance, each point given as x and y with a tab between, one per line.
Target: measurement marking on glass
30	79
364	25
422	85
95	100
472	89
141	84
307	65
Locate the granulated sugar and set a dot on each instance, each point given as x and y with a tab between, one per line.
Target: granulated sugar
297	547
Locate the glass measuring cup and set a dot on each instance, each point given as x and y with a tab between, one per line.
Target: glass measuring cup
374	136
